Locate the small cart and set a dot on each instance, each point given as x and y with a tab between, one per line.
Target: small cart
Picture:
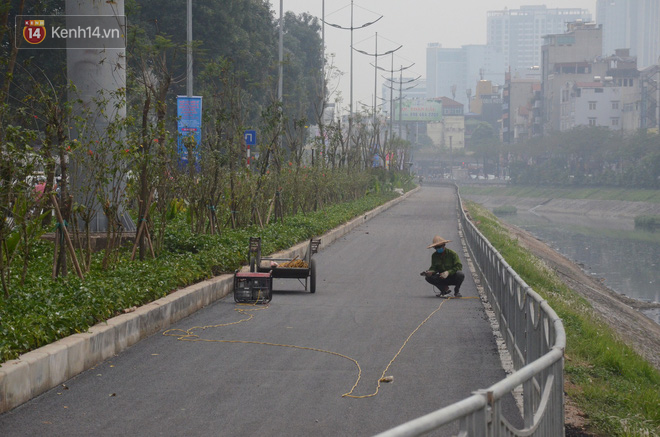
251	287
306	271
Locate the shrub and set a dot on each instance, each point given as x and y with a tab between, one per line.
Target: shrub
649	222
505	210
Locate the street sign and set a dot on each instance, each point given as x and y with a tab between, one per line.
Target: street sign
250	137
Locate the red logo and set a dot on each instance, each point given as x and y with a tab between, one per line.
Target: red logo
34	31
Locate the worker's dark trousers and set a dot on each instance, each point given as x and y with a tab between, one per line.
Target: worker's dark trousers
456	280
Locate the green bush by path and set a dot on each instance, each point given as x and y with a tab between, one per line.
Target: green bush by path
617	389
45	310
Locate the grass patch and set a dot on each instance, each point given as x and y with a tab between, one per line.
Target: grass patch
45	310
615	387
648	222
631	195
505	210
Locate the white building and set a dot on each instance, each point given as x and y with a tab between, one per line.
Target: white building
591	104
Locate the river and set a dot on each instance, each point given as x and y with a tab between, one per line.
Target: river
609	248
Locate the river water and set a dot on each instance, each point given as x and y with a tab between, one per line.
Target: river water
626	259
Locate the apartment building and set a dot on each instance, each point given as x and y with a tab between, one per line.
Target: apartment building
568	58
591	104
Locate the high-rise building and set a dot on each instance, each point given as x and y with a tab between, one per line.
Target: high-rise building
633	24
518	33
454	72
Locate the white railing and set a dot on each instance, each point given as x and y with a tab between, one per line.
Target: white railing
535	338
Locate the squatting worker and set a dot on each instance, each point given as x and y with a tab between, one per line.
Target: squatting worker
445	268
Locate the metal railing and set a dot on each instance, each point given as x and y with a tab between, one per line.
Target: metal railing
534	337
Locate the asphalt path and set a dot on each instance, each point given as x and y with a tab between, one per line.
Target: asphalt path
286	369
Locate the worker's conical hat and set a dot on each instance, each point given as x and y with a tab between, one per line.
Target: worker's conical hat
438	241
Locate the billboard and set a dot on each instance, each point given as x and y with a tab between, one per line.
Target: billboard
418	110
189	123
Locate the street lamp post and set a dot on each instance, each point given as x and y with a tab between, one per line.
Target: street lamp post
375	54
189	75
391	88
352	28
281	54
451	158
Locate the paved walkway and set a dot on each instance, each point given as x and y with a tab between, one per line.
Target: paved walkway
288	368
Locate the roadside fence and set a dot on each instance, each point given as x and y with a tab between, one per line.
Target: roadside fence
535	338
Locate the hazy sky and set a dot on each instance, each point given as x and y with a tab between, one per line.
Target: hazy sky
411	23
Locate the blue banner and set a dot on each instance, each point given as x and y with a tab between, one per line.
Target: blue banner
189	124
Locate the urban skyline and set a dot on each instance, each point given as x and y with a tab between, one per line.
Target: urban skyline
450	24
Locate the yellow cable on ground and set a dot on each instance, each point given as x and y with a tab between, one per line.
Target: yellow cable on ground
189	335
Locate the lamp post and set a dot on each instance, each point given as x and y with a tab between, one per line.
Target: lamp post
391	88
451	158
375	54
280	54
189	74
352	28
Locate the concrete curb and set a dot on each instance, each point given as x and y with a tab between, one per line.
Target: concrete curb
42	369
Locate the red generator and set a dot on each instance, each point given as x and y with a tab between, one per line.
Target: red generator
252	287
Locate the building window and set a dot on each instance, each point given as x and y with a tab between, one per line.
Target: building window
592	121
592	106
615	122
615	105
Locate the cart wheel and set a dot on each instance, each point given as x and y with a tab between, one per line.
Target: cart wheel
312	276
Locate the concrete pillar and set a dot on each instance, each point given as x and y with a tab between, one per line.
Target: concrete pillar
93	70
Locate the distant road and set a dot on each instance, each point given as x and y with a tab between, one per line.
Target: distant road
369	300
